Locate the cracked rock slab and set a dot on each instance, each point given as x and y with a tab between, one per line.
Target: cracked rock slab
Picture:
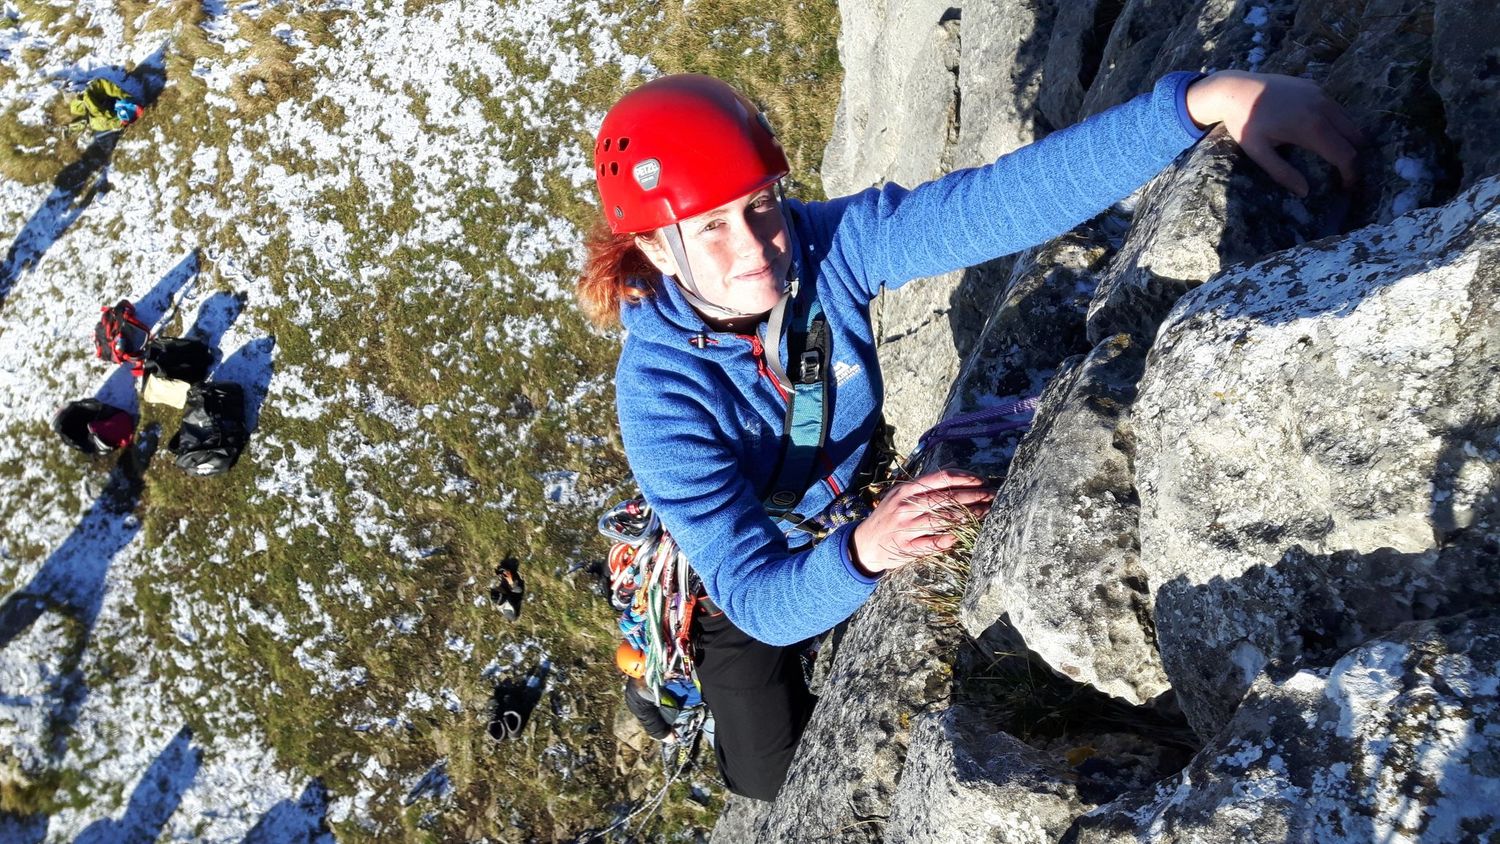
1397	741
1319	449
1058	552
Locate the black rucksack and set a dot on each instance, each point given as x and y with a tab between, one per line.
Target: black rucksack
93	427
213	429
178	358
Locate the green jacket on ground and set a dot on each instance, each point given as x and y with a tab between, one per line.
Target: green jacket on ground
96	105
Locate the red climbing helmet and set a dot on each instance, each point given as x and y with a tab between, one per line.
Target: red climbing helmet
678	146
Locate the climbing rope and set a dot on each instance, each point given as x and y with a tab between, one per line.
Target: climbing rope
1010	415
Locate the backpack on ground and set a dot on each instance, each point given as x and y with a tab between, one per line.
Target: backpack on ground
97	107
93	427
173	365
178	358
121	337
213	431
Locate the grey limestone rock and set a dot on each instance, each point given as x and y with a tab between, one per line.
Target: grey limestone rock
1074	48
743	820
1373	58
897	121
1396	741
1213	209
1039	321
1224	35
1005	43
1466	74
964	782
1135	38
1058	552
897	118
918	353
889	667
1317	449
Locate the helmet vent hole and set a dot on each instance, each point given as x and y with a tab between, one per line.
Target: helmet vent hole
624	142
614	168
606	144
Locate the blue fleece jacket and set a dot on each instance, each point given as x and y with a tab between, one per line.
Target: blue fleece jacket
702	419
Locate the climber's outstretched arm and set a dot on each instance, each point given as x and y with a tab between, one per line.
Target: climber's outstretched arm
1262	111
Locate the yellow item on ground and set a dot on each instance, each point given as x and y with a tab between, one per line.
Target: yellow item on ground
168	391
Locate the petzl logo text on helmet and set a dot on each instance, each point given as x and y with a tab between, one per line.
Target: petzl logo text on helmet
647	173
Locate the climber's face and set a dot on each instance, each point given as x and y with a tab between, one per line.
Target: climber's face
739	253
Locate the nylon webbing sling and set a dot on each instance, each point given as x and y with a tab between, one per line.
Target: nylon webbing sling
806	433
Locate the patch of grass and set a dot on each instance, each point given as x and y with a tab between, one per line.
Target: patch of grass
34	155
51	17
783	54
940	578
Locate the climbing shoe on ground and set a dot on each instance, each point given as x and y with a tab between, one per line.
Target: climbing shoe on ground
507	589
513	702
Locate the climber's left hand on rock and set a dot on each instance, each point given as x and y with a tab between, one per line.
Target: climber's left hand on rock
1262	111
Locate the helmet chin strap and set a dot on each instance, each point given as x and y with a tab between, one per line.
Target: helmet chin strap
673	235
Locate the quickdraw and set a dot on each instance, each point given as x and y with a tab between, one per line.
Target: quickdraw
653	587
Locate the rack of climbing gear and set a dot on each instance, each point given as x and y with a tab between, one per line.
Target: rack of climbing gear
653	587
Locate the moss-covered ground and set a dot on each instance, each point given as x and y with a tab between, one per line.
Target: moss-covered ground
434	402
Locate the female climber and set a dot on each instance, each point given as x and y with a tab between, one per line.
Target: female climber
748	386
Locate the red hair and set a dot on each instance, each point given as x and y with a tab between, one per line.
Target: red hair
613	272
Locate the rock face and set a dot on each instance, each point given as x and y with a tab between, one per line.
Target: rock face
1317	456
1004	44
1213	209
1466	74
1039	322
888	668
897	116
964	783
1059	549
897	121
1397	741
1259	507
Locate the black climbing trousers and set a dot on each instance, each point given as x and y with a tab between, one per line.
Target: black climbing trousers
759	701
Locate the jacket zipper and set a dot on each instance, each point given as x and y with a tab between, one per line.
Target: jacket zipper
758	349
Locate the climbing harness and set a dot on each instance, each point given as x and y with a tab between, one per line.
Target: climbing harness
806	430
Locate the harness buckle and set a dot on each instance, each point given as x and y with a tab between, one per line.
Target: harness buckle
812	367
